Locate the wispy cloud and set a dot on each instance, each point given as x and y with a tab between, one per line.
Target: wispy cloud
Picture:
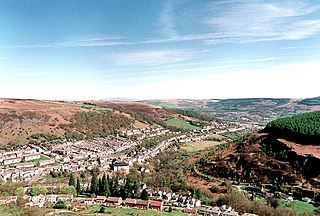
252	21
166	20
149	58
83	41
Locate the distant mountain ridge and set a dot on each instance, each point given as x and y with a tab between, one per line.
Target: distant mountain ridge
245	110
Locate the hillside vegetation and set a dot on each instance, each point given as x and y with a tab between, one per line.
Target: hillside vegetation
311	101
303	128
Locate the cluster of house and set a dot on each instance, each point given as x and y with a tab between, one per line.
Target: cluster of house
189	137
148	132
224	211
19	165
176	199
96	148
11	157
117	201
40	200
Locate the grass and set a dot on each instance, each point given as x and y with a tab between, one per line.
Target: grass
299	206
40	159
180	124
197	146
9	210
136	212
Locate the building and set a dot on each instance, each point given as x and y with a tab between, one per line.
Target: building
13	160
40	198
189	211
24	165
88	201
120	166
31	157
115	201
156	205
100	199
65	197
52	198
8	199
215	211
142	204
130	202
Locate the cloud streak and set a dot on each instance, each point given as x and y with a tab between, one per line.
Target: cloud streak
253	21
149	58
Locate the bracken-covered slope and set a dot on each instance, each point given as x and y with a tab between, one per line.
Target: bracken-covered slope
37	121
268	156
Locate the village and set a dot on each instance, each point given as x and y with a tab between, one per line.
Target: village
108	154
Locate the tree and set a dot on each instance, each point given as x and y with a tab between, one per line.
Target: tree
71	190
65	189
144	195
135	190
105	183
94	184
100	186
19	191
78	188
72	180
37	190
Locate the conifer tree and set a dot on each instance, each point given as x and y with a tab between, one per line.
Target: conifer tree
72	180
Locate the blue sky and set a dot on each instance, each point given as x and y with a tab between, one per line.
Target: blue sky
76	49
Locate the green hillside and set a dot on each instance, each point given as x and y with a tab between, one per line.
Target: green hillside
304	128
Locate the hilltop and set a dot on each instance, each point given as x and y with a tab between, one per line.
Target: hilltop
41	121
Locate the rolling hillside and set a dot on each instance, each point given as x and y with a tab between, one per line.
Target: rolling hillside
275	155
40	122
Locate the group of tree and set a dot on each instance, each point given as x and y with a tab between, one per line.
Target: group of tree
303	128
242	203
74	183
107	186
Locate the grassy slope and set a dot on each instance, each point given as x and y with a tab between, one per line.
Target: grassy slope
180	124
197	146
130	211
299	206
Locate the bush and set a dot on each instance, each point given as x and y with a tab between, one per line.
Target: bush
60	205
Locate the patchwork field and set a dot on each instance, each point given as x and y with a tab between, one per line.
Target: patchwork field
197	146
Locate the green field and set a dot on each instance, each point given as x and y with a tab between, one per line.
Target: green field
180	124
197	146
299	206
131	211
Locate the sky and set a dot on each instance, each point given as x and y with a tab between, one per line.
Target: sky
151	49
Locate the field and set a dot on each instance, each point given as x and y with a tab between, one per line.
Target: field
197	146
130	211
299	206
180	124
